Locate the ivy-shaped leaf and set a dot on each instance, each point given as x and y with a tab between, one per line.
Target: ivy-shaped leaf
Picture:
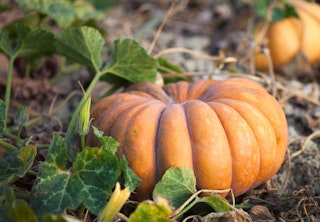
177	185
15	164
81	45
129	178
89	181
130	61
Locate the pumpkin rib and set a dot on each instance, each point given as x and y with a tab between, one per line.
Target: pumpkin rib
175	149
107	117
109	101
177	91
264	134
209	142
149	88
131	145
268	106
139	150
197	89
245	165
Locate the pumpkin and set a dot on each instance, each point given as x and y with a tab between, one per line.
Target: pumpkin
292	36
232	133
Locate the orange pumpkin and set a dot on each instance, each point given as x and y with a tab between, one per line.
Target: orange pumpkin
291	36
232	133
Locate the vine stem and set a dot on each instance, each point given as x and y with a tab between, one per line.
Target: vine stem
8	90
7	146
71	128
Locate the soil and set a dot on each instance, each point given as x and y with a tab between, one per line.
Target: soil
205	27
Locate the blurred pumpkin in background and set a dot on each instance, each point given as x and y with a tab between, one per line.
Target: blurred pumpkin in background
291	36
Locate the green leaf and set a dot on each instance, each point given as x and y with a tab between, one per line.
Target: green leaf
290	11
217	202
177	185
280	13
81	45
131	62
261	8
20	211
15	164
2	117
60	10
107	142
103	4
7	202
12	209
165	63
31	43
149	211
5	42
89	181
131	180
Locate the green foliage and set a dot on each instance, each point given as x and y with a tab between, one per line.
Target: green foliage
64	12
177	185
278	12
89	181
131	62
10	207
81	45
15	164
284	12
151	212
27	43
165	67
218	203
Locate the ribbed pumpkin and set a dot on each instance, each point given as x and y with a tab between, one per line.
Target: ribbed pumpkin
232	133
291	36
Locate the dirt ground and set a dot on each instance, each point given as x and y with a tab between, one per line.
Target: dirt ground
205	27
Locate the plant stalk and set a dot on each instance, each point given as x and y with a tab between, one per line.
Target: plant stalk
8	146
8	89
72	125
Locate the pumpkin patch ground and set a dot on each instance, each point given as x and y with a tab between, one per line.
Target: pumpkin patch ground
60	63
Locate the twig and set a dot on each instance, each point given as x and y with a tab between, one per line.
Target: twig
304	146
157	35
286	179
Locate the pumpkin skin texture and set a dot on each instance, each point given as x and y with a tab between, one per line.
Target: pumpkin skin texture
232	133
291	36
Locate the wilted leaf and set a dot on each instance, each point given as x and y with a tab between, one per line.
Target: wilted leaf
15	164
82	45
89	181
177	185
131	62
